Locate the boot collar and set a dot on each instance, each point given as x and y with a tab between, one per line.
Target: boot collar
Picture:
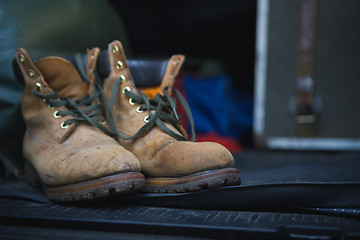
145	73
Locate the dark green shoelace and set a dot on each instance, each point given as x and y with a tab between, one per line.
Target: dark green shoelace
161	108
83	110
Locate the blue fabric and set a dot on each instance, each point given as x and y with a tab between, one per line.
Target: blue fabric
217	106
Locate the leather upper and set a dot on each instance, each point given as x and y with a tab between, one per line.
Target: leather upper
160	154
76	153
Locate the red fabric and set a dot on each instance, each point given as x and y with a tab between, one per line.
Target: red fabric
229	143
179	85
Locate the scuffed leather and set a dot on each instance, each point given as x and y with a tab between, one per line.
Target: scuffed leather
172	70
65	156
91	61
38	118
159	154
86	154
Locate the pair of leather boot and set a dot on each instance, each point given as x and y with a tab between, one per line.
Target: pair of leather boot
89	137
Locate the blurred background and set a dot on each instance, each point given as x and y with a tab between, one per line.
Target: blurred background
244	76
217	37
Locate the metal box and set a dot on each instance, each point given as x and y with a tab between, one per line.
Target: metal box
307	75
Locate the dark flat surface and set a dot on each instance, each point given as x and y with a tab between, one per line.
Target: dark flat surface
277	180
269	179
169	221
283	194
264	167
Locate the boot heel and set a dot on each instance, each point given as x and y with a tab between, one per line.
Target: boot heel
31	177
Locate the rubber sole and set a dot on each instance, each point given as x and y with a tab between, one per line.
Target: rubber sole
194	182
97	188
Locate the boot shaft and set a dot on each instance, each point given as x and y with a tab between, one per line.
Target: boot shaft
147	74
40	117
55	97
150	103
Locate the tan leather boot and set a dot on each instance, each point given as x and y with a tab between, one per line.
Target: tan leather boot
149	128
72	159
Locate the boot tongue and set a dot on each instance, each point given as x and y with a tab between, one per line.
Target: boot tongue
62	77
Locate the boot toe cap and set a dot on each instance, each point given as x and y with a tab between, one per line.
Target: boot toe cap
183	158
91	163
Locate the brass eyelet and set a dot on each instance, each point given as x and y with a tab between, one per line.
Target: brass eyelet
122	78
64	126
138	110
115	49
38	85
119	65
31	72
56	115
126	89
50	107
22	58
146	119
131	101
